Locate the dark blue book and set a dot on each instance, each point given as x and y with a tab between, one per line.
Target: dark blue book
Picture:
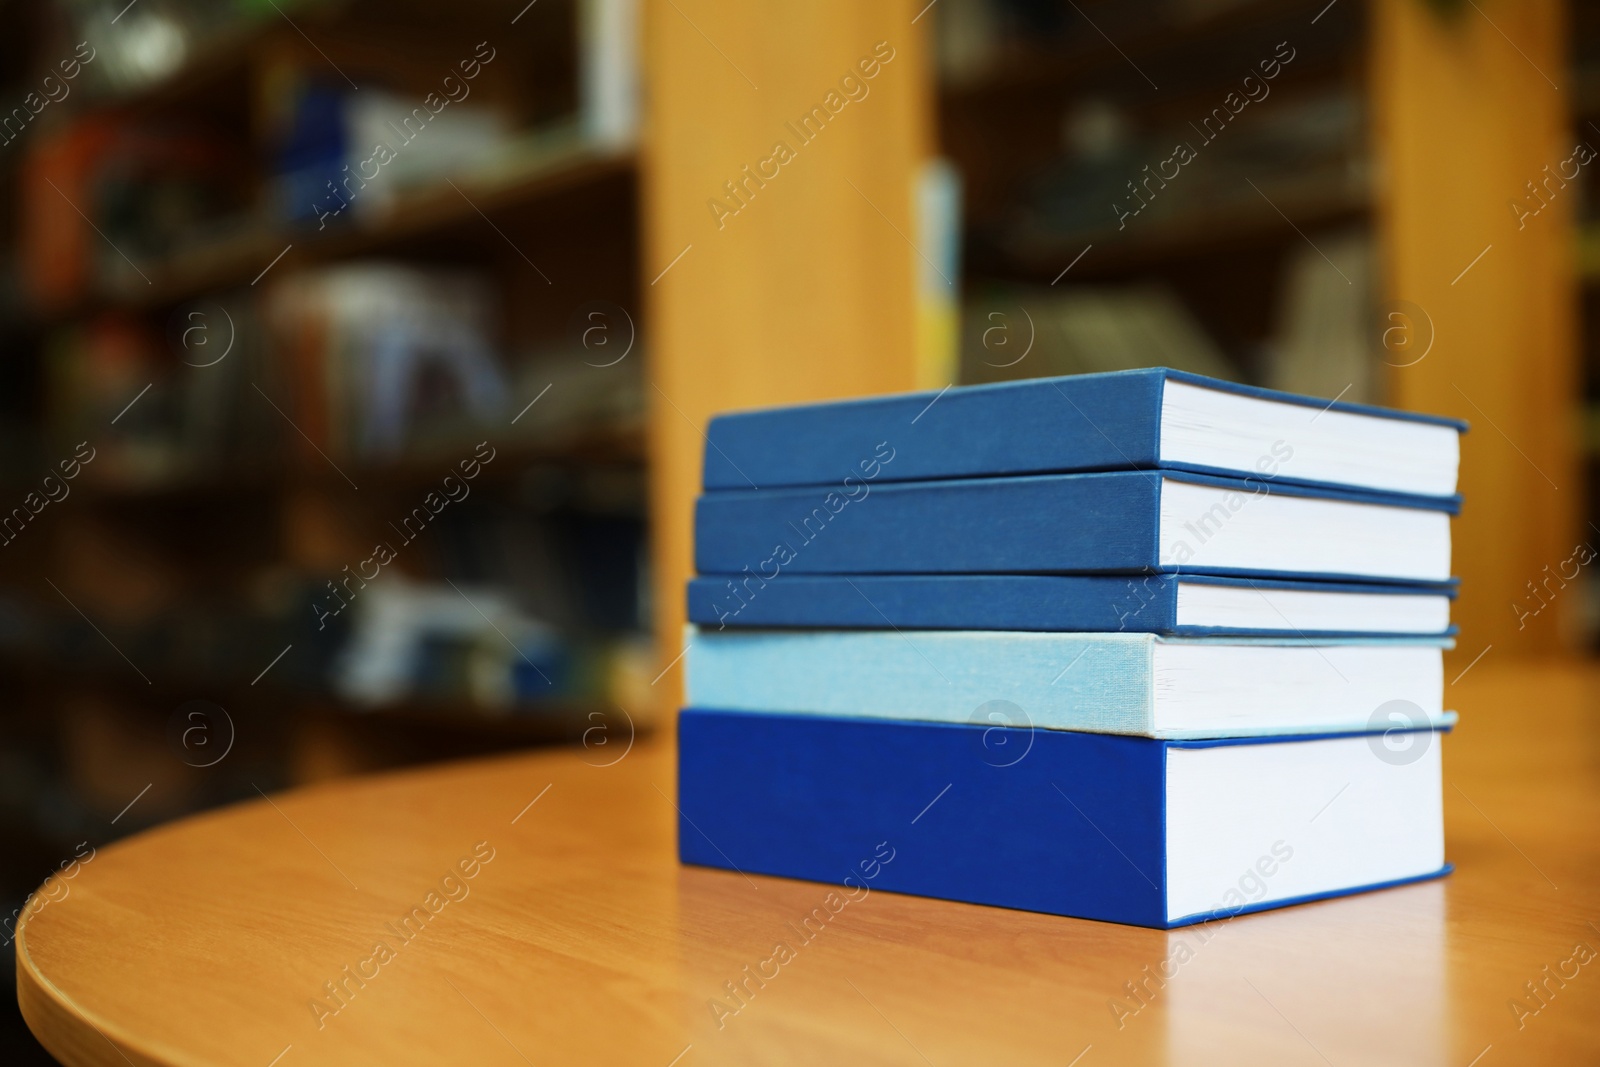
1143	419
1188	604
1124	829
1116	522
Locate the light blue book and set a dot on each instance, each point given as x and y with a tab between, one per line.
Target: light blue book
1119	683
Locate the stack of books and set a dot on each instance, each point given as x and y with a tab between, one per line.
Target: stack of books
1144	647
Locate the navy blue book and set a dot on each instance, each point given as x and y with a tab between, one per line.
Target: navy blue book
1139	419
1123	829
1116	522
1188	604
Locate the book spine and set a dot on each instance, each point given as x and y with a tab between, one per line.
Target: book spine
1081	423
1140	603
984	814
608	71
1099	682
1071	523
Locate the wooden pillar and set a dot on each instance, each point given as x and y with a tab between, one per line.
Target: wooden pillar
1469	108
782	145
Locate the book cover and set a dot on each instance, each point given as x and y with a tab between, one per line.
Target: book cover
1088	422
1138	684
1142	603
1064	823
1114	522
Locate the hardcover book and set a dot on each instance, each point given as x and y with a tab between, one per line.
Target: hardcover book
1124	521
1170	687
1188	604
1144	419
1128	830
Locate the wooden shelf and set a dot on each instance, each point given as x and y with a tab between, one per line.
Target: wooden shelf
620	444
424	213
1061	65
338	742
216	61
527	723
229	53
564	717
1587	242
1227	230
1589	434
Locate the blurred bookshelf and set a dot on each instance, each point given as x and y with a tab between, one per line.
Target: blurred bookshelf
323	342
1270	192
1086	232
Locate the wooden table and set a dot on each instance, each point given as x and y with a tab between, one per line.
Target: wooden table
582	941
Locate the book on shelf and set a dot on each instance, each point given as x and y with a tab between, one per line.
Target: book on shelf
608	48
1125	829
383	354
56	252
1324	340
1039	331
1188	604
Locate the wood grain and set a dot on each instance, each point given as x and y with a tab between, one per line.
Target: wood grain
584	941
1467	112
808	291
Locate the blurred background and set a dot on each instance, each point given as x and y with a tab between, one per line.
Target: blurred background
354	356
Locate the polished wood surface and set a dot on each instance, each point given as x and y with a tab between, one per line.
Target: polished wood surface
1470	105
583	941
793	287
